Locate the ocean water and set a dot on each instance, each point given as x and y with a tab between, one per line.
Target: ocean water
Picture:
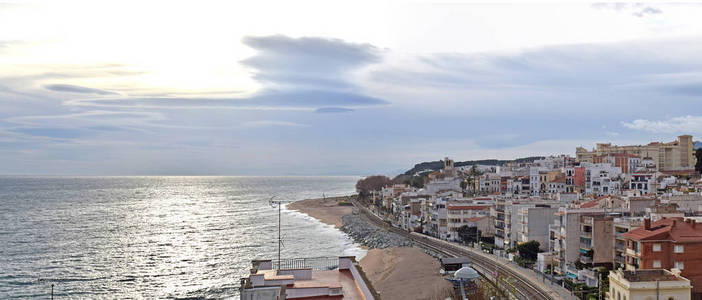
153	237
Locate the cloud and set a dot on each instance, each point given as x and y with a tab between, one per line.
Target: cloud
270	100
683	124
331	110
688	89
635	9
77	89
270	123
308	61
88	119
648	10
625	65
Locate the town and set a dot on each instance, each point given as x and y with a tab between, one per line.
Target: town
617	219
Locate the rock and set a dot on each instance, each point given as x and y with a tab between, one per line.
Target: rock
370	235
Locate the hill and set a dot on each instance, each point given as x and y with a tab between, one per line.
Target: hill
697	145
431	166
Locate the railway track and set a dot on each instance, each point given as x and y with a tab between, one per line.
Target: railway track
522	287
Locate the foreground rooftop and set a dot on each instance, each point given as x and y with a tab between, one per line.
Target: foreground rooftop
309	278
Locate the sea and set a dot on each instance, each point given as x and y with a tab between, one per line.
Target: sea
154	237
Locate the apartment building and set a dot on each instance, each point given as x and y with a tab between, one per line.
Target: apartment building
464	214
672	156
648	285
644	183
621	226
602	179
533	224
566	238
666	244
627	162
597	240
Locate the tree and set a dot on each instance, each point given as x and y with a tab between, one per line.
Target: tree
464	184
413	181
469	234
698	165
529	250
474	171
371	183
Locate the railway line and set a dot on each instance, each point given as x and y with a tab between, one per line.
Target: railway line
522	287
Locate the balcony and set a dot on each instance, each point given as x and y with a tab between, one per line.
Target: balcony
585	246
620	247
631	252
585	259
619	259
587	234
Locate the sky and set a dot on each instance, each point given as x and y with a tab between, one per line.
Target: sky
335	88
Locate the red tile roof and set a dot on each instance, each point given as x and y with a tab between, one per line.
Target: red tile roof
675	229
590	204
467	207
475	219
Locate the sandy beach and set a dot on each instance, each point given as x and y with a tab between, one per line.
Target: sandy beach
396	273
404	273
327	210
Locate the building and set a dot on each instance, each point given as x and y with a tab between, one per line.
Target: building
642	182
673	156
597	240
602	179
648	285
307	278
623	225
666	244
533	224
466	214
627	162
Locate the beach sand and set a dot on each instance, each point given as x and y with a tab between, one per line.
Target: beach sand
404	273
326	210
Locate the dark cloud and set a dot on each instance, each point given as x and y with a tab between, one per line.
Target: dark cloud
586	66
331	110
692	89
77	89
307	62
305	99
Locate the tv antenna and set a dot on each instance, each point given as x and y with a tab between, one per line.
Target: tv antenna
279	204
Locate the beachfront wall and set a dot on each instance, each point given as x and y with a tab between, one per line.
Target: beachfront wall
349	263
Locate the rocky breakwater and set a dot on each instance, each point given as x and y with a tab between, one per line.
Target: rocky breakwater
370	235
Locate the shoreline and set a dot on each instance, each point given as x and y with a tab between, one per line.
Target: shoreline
326	210
395	268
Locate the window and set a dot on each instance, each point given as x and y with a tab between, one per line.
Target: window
680	265
656	247
679	249
656	263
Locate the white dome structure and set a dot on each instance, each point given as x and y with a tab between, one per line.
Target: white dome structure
466	273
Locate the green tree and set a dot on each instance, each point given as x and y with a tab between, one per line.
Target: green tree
698	166
529	250
469	234
464	184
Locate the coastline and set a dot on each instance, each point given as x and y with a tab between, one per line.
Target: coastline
395	270
326	210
